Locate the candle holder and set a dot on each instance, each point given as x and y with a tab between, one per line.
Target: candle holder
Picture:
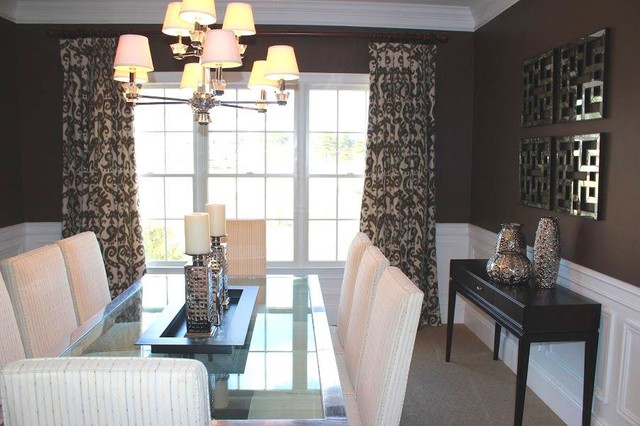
218	258
202	311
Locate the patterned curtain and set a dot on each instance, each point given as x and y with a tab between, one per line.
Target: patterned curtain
99	183
398	205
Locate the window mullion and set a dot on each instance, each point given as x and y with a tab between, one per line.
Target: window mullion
201	153
301	197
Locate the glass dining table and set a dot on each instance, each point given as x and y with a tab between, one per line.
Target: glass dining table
285	370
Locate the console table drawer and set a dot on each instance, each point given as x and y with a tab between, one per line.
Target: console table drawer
509	307
479	290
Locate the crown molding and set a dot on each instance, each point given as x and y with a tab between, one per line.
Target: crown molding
484	11
285	12
8	9
268	12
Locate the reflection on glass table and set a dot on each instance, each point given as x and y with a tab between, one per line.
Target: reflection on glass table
285	370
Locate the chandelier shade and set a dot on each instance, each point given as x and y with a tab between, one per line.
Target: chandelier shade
257	80
133	54
191	76
201	11
221	50
281	63
174	25
239	19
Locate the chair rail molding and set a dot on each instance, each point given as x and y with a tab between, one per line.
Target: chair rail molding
17	239
555	371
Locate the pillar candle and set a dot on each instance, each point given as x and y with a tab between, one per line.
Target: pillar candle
196	233
217	219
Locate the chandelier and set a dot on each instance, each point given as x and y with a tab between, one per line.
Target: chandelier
215	50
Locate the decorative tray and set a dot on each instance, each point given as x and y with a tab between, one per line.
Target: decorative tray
168	333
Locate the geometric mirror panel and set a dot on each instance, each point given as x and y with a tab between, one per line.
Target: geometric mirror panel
537	90
577	173
581	80
535	172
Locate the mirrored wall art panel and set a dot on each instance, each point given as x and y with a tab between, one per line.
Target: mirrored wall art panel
537	90
577	173
581	80
535	172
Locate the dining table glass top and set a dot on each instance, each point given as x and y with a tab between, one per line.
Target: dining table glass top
285	370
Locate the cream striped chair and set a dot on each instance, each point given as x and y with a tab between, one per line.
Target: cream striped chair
354	255
386	356
106	391
11	347
87	274
372	266
247	247
41	297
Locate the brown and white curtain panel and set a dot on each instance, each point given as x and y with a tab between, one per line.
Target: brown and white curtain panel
399	203
99	183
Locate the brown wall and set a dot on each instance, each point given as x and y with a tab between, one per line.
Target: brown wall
10	185
530	27
41	108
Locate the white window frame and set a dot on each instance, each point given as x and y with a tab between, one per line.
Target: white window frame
307	81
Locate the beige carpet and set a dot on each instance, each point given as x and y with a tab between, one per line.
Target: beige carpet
472	389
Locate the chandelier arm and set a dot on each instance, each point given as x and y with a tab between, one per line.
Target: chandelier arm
160	103
162	98
226	103
241	106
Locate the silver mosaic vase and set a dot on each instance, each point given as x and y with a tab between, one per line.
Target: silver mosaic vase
546	253
510	265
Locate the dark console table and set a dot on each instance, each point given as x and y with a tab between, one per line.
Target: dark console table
533	315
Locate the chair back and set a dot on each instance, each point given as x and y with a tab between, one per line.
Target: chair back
106	391
388	349
372	265
87	274
41	297
11	347
247	247
354	255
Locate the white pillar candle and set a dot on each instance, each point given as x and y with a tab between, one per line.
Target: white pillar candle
217	219
196	233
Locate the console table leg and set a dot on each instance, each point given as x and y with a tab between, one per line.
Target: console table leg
590	356
521	379
450	313
496	340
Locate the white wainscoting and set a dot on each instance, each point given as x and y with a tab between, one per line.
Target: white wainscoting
555	370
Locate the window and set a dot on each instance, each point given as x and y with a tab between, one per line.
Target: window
300	167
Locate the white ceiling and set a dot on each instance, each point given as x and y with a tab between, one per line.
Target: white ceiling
453	15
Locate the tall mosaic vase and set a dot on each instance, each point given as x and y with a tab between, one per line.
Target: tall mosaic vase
546	253
510	265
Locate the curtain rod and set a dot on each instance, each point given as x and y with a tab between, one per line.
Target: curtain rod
375	36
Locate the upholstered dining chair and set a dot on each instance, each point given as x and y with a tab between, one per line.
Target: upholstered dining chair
87	274
41	297
372	265
354	255
11	347
386	356
247	247
105	391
